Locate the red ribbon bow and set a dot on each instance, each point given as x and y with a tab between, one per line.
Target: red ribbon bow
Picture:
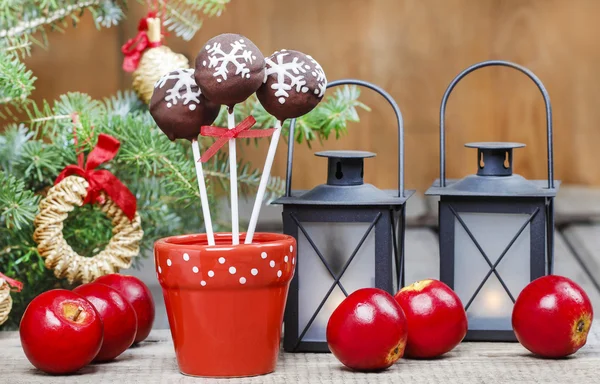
134	48
16	284
101	179
224	135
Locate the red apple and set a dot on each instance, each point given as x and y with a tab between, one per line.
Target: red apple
367	331
60	331
552	316
437	321
118	318
138	295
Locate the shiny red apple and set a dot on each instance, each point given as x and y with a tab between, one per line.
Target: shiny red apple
118	318
436	318
552	317
138	295
367	331
60	331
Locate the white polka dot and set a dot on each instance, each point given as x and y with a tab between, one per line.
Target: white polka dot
281	100
291	248
195	269
247	76
186	257
232	270
192	107
285	259
272	263
263	255
169	262
241	40
254	271
221	260
293	260
204	63
307	66
211	273
304	89
242	280
203	283
169	105
253	57
207	47
219	80
159	269
278	273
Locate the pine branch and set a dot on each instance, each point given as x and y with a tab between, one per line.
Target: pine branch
183	16
24	17
18	206
331	115
16	81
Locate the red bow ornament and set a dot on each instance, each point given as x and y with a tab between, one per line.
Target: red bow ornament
101	179
16	285
134	48
223	135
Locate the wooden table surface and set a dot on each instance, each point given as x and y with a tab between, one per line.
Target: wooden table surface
154	362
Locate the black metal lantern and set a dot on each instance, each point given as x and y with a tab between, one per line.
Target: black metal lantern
496	227
350	235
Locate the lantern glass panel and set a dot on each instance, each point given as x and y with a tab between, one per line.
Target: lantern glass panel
336	242
492	306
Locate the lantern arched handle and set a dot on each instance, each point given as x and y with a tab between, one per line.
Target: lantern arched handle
399	120
491	63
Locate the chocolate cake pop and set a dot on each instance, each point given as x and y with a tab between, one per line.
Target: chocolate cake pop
294	84
229	69
178	106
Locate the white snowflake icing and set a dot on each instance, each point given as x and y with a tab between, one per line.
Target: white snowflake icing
320	75
238	56
184	81
292	74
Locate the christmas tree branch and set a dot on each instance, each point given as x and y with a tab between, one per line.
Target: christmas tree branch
24	17
182	15
332	115
16	81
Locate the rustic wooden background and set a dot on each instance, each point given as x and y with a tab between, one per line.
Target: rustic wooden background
413	48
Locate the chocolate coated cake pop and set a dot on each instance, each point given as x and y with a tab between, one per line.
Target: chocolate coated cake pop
178	106
294	84
229	69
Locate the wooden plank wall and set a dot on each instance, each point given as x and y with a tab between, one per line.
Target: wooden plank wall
413	48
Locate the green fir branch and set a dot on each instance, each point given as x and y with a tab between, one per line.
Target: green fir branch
331	116
25	17
18	206
184	17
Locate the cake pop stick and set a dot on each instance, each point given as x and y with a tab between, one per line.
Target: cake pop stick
262	187
294	84
179	109
229	69
235	220
203	195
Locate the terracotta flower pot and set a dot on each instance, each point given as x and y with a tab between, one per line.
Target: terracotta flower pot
225	303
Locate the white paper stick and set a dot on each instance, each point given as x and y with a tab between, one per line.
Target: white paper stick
203	195
262	187
235	220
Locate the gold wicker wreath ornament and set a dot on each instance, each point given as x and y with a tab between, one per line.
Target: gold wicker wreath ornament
7	285
76	186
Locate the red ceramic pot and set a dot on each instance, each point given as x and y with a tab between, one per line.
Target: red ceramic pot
225	303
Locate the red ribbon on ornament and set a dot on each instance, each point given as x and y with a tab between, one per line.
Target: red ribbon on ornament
134	48
101	179
16	284
224	135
